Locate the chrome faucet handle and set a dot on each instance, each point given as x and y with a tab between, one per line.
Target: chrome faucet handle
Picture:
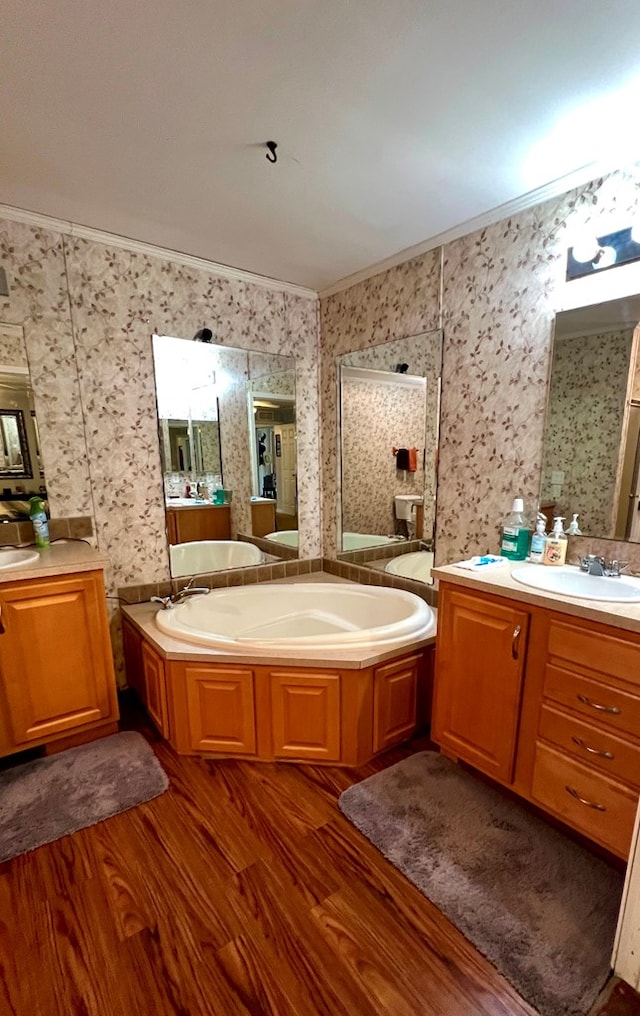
614	568
166	601
593	564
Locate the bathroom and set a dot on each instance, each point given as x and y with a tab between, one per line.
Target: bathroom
88	303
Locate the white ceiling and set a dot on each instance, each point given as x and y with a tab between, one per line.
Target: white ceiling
397	120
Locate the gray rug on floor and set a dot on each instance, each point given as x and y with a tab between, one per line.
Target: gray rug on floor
51	797
539	906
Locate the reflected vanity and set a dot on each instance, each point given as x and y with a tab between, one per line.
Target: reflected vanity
226	420
21	471
389	417
591	446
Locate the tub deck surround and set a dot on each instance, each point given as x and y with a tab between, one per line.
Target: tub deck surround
265	707
542	693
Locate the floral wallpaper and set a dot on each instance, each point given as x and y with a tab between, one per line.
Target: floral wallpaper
587	395
88	312
378	416
13	352
495	293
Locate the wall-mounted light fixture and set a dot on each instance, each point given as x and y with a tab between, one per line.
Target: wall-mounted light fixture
595	254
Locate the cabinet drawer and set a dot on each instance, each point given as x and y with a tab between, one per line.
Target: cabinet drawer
608	654
593	745
601	703
556	782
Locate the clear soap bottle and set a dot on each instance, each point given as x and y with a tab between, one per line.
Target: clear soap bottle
538	540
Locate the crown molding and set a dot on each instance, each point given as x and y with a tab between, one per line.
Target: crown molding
67	228
577	178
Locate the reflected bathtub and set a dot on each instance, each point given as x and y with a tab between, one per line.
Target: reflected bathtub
350	541
212	555
416	565
324	620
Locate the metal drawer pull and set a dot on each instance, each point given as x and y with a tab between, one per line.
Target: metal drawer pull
514	641
583	800
592	751
596	705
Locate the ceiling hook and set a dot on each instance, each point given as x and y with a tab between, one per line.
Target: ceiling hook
271	154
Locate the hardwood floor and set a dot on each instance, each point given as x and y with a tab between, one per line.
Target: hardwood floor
242	890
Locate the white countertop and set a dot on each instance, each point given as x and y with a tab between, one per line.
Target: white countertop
191	502
499	582
61	558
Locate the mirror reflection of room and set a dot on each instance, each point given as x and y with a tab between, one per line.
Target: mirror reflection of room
275	487
389	399
217	496
21	472
591	450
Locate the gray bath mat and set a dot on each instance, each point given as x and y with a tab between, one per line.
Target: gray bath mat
52	797
539	906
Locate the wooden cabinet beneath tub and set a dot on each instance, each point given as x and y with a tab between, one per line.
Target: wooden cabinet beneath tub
327	715
545	703
202	522
56	668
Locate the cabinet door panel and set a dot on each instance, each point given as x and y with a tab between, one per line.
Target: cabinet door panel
56	670
221	706
394	702
479	675
154	689
305	712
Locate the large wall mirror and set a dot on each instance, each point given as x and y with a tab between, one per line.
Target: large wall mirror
591	449
227	431
389	414
21	469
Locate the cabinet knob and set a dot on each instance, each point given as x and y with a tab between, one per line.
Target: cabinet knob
514	641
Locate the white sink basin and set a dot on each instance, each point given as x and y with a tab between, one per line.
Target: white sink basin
17	558
570	581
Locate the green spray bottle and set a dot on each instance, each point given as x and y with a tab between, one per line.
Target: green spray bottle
38	518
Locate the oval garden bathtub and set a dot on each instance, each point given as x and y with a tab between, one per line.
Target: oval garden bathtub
324	620
212	555
350	541
416	565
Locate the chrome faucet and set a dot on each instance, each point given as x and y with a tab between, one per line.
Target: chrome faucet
594	565
174	598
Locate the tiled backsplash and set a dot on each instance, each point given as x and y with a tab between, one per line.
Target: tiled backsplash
21	533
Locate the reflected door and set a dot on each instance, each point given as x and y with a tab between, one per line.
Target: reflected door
285	440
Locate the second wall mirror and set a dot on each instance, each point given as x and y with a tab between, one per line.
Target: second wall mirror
389	415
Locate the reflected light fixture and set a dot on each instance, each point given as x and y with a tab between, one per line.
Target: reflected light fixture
598	253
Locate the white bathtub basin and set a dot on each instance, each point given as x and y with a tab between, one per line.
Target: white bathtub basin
212	555
416	565
359	541
323	620
288	537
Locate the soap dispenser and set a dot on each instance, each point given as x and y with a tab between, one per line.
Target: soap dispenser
573	528
538	540
555	551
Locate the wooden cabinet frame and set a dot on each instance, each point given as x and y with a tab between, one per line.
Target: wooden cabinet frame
326	715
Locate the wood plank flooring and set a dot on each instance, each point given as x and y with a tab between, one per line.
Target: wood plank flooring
242	890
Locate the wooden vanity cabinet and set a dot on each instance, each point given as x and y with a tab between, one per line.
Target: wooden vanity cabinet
480	673
202	522
56	665
560	725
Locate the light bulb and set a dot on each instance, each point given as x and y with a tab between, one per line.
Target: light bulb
586	249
